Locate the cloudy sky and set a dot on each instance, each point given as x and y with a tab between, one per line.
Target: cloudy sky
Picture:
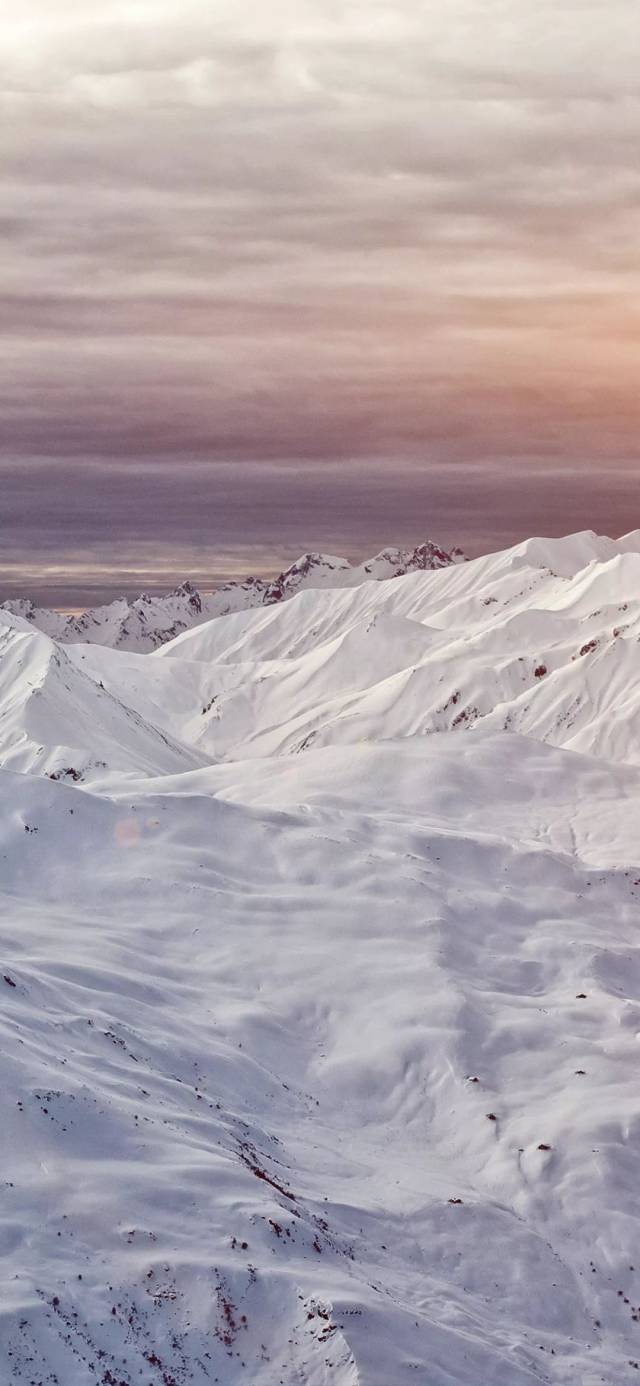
312	273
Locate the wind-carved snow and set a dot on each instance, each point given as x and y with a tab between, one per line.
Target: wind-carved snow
321	988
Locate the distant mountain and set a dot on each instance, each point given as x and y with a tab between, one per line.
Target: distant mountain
148	622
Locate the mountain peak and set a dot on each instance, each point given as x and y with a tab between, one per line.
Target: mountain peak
148	622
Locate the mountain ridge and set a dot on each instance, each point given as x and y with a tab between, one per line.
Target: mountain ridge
148	622
320	974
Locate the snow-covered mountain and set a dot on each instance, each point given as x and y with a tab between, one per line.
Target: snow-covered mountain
321	987
148	622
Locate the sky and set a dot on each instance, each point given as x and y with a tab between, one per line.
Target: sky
311	274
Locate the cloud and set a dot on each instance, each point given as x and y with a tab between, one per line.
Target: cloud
321	232
109	528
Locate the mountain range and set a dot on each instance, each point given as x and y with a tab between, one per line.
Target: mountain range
148	622
320	975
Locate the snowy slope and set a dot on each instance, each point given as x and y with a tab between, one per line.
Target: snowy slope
322	1068
541	639
55	720
148	622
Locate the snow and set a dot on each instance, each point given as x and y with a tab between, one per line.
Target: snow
148	622
321	987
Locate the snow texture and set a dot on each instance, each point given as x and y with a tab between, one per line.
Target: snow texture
320	984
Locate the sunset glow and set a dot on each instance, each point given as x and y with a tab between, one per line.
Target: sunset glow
258	265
